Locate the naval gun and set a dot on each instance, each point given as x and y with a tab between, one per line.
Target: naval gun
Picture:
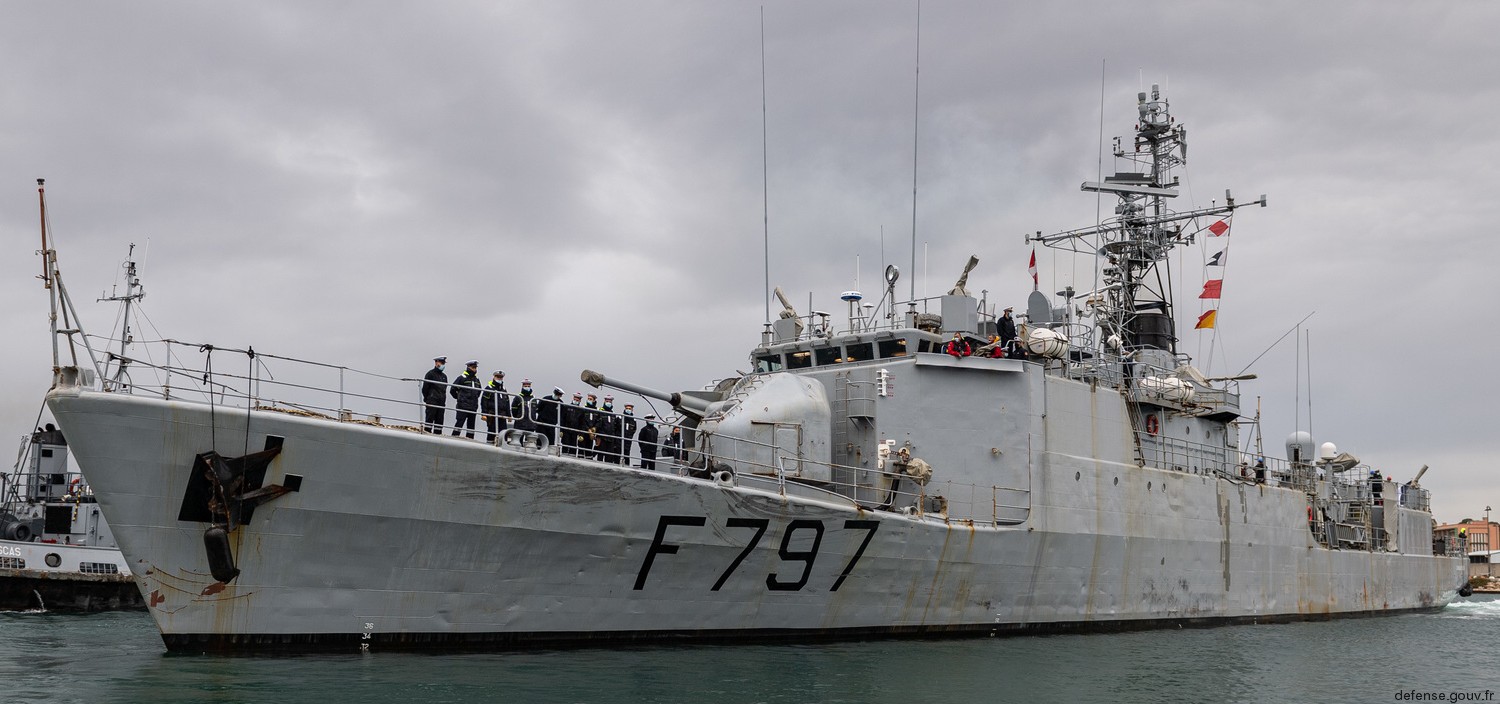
767	423
692	406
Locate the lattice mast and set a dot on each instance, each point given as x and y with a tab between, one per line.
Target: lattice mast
1133	307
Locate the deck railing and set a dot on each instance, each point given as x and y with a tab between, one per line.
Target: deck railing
271	383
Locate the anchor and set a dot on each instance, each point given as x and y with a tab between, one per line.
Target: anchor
224	492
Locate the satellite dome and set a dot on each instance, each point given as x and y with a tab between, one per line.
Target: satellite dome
1327	451
1299	446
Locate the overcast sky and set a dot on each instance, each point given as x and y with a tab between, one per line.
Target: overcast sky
554	186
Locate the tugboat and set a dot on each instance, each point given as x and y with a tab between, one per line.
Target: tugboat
874	480
56	550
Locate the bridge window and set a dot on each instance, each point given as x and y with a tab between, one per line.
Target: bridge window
768	363
859	353
828	355
893	348
800	359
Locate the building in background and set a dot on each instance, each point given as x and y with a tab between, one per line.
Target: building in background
1483	542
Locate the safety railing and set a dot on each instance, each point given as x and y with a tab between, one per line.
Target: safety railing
271	383
862	487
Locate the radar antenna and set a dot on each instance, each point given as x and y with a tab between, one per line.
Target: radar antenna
1135	302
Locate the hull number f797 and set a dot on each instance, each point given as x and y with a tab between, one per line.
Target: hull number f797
798	563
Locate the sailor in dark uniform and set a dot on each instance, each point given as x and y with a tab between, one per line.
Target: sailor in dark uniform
572	422
434	396
648	443
491	402
588	436
465	392
1007	327
523	409
610	427
673	445
627	433
548	410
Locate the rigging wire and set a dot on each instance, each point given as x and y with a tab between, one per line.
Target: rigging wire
1099	172
1309	383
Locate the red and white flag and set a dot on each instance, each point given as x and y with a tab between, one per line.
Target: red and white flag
1031	269
1219	228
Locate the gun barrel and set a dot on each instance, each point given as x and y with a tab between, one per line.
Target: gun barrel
685	404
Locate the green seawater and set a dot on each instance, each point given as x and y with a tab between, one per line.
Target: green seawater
1454	654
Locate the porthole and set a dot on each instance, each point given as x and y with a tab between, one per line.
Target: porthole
1148	486
53	559
1077	476
1117	481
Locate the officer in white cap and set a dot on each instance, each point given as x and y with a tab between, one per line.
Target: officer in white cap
609	432
627	432
434	396
548	411
649	434
1007	328
588	419
572	422
523	409
494	406
465	392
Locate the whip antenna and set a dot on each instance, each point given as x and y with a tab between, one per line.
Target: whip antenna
765	178
916	116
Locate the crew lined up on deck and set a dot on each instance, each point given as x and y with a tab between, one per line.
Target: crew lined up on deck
581	429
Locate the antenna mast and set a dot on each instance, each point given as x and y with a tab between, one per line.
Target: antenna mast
1136	303
133	292
916	117
765	178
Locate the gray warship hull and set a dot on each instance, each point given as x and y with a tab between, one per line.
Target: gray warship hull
397	539
1081	476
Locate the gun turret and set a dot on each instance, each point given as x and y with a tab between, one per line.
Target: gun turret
695	408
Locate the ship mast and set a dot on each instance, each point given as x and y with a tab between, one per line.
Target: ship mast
61	302
1134	305
134	292
48	256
